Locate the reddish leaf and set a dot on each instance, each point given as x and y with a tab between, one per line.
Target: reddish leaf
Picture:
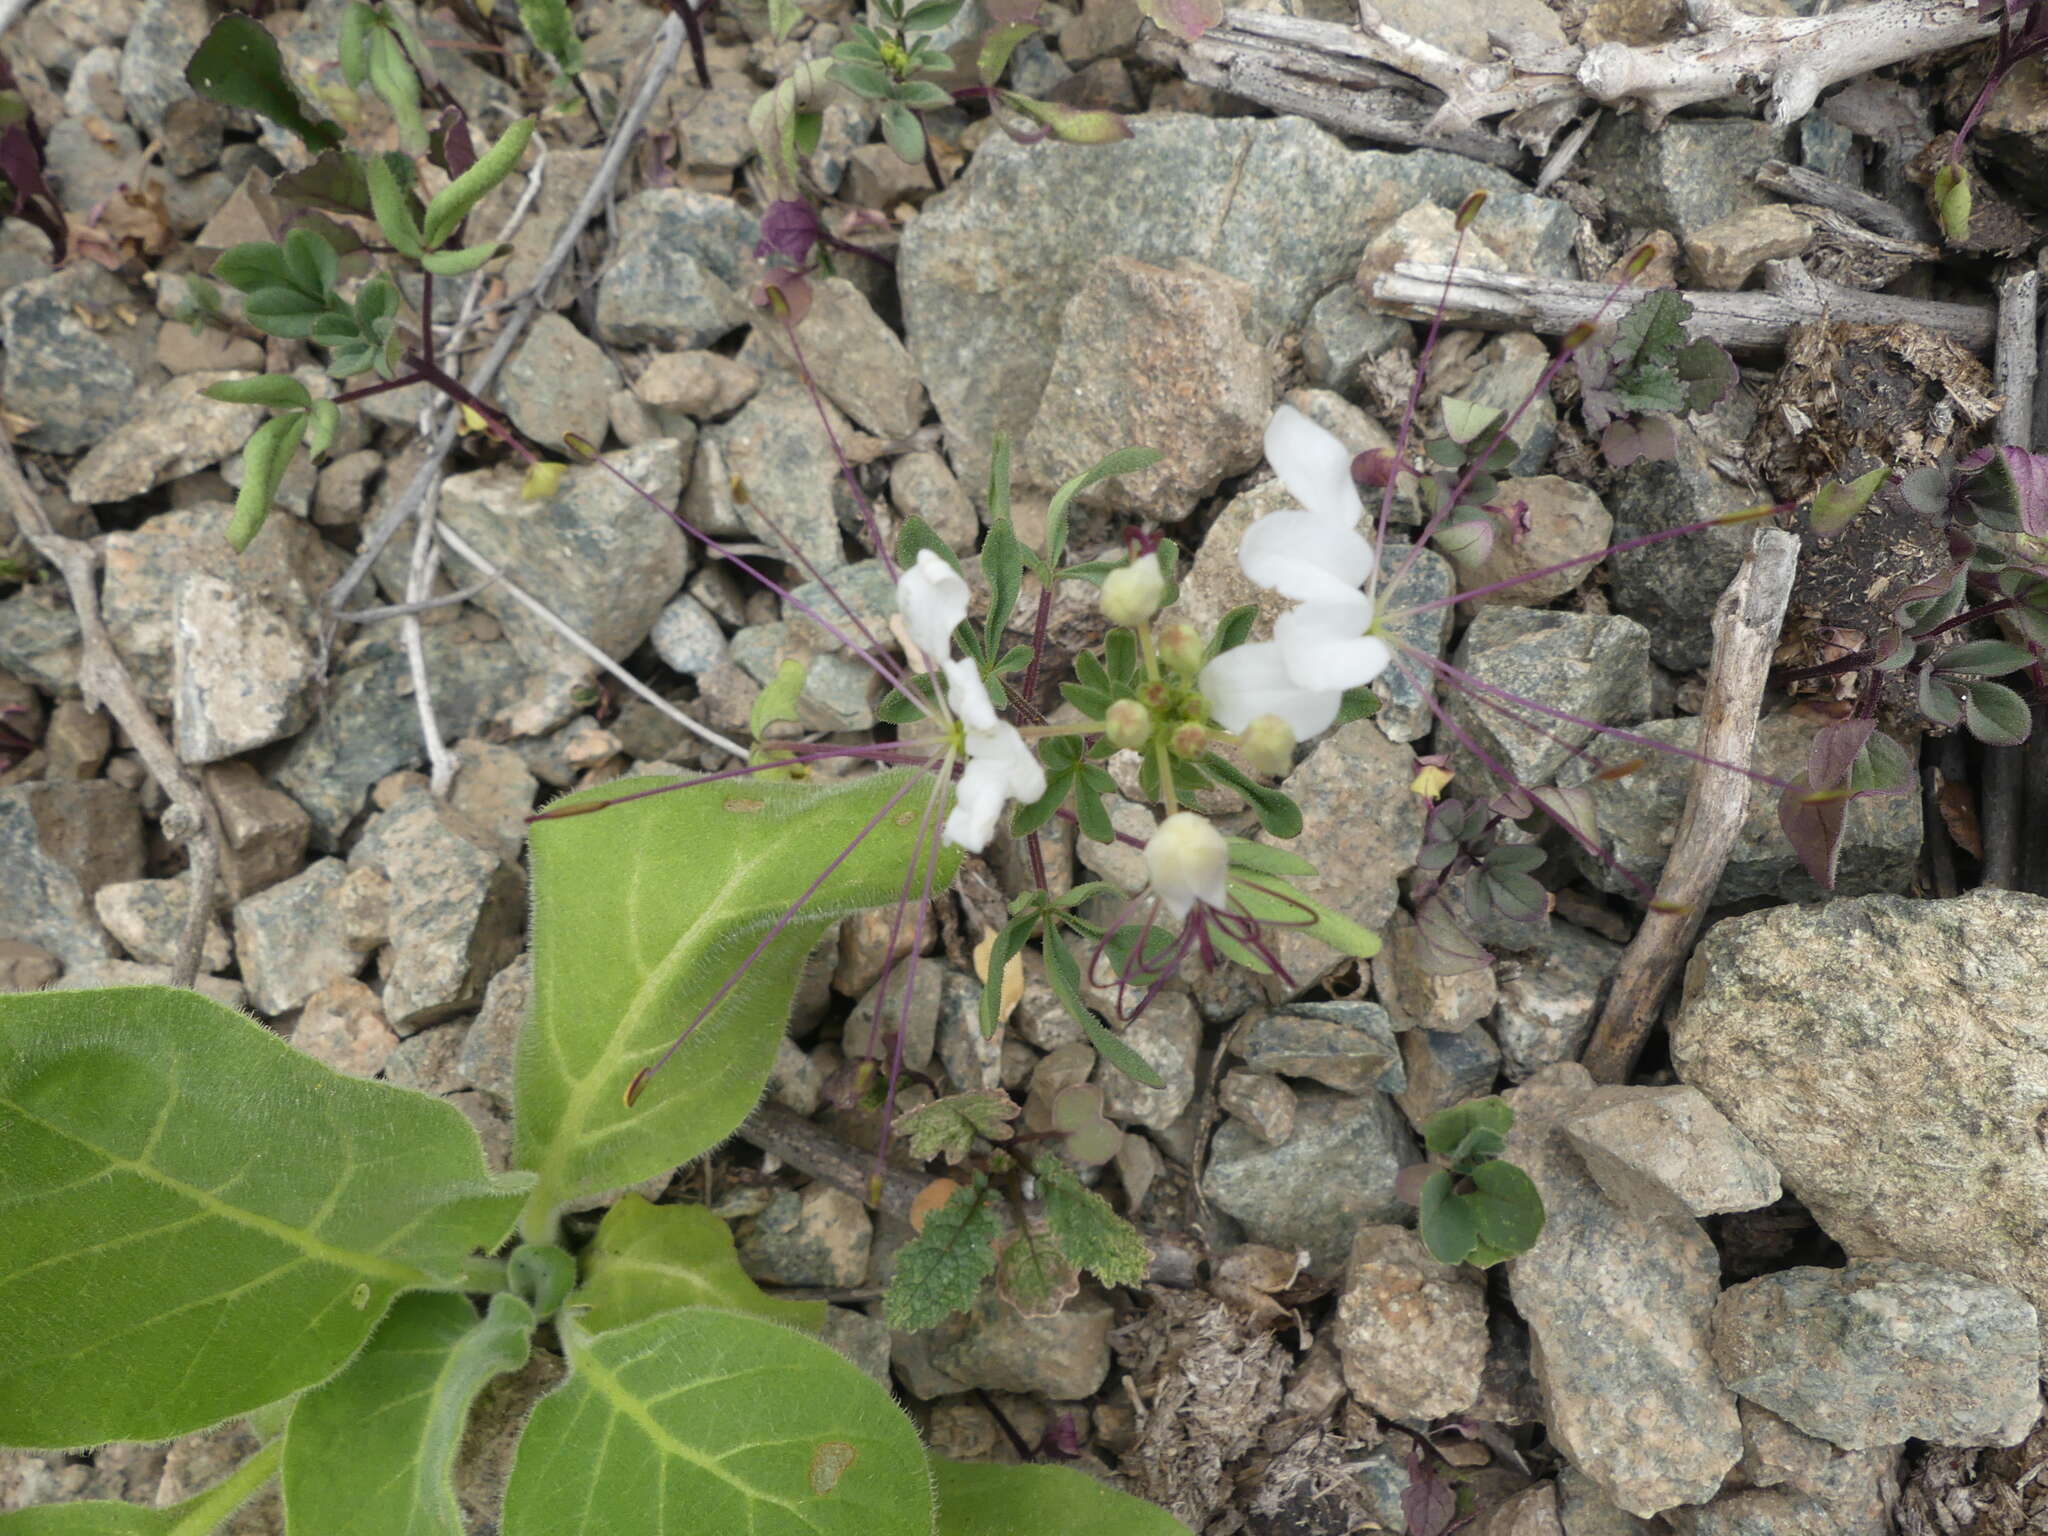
1813	825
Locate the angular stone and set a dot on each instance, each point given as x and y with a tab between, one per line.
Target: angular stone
1343	334
289	939
1411	1330
1365	828
1160	357
1064	1357
1619	1307
1902	1099
177	431
1334	1174
1638	815
1348	1046
687	638
778	449
39	639
973	1061
456	913
1262	1101
1566	521
430	1061
862	1339
988	267
61	844
97	975
162	37
1800	1486
1884	1351
1405	712
856	359
1668	1149
674	275
1682	180
572	548
64	375
1726	252
1167	1035
1445	1069
490	1051
1593	667
148	917
1548	1006
241	672
921	485
555	384
818	1238
495	792
927	988
264	829
25	968
343	1025
701	384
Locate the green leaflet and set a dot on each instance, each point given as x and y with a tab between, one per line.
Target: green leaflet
641	913
983	1498
196	1220
648	1259
196	1516
939	1272
702	1420
372	1452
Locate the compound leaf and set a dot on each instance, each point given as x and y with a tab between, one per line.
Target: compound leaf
703	1420
939	1271
1089	1233
372	1452
648	1259
642	915
198	1219
984	1498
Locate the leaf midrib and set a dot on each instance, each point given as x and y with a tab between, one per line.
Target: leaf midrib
368	1265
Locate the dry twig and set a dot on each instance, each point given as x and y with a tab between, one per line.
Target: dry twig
2015	370
1746	624
103	678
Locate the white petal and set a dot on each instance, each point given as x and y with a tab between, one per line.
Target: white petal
977	801
1023	775
1187	861
1313	464
1252	680
932	597
1305	556
964	691
1324	645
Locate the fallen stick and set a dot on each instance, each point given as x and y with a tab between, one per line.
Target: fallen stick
2002	788
1743	322
1746	622
104	679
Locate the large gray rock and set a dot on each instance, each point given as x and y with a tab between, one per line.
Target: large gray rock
1159	357
1639	813
1619	1307
1362	827
1547	1007
241	672
1791	1484
1684	174
177	431
1890	1057
1411	1330
64	375
557	382
987	268
1883	1351
675	276
1592	667
1406	688
60	844
456	909
779	450
291	939
598	553
1333	1175
858	362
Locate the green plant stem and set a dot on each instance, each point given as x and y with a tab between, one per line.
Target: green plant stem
484	1276
210	1508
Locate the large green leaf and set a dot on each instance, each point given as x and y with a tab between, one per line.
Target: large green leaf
703	1420
196	1516
196	1219
641	913
648	1259
372	1452
981	1498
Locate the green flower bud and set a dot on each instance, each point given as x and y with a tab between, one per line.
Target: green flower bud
1132	593
1268	746
1188	740
1129	724
1182	647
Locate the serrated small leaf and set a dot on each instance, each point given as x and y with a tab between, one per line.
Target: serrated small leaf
1032	1275
1089	1233
648	1259
941	1270
949	1127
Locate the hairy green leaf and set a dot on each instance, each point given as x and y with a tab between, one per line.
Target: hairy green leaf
239	65
940	1271
709	1421
265	458
903	130
466	260
949	1127
275	389
1090	1234
393	206
553	31
1996	715
198	1219
649	1259
1002	562
453	203
1277	813
372	1452
985	1498
1063	974
1032	1275
916	534
642	912
1950	195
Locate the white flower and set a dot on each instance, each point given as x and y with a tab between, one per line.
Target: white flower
932	597
1317	557
1000	764
1189	863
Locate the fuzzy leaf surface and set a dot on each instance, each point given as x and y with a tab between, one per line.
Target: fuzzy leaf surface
198	1220
981	1498
647	1259
940	1271
641	912
372	1452
1090	1234
709	1421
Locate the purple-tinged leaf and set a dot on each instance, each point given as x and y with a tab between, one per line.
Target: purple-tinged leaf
456	152
2008	488
1653	438
1428	1503
1996	715
1984	658
1812	823
1833	751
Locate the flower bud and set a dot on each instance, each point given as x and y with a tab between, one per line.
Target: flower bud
1131	594
1128	724
1188	861
1155	696
1268	746
1188	740
1182	647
